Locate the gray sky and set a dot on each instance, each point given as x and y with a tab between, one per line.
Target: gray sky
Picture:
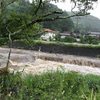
67	6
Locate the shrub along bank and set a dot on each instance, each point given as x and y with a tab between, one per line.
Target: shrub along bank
50	86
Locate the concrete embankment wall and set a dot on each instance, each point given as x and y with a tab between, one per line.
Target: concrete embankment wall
62	49
80	51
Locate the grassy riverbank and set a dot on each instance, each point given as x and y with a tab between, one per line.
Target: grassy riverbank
67	44
50	86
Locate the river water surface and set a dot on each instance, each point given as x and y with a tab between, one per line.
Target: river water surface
38	62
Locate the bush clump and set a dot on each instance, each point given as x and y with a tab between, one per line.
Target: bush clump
50	86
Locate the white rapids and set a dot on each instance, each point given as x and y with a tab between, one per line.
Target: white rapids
33	62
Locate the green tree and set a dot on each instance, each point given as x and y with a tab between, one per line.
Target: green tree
14	17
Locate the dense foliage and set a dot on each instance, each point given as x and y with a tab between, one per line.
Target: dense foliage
13	18
67	39
89	40
49	86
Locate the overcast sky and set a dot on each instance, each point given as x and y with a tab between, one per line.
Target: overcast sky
67	6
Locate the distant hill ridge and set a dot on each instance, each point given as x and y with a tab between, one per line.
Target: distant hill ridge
88	22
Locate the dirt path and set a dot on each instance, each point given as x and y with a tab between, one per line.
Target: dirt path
38	62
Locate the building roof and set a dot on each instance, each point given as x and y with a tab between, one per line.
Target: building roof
65	33
94	33
49	30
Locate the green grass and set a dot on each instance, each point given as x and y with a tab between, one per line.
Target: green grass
50	86
67	44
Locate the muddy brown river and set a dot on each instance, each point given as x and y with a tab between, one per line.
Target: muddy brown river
39	62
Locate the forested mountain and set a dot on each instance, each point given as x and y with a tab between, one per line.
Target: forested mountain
87	23
60	24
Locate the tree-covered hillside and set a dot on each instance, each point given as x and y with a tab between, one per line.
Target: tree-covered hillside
60	24
88	23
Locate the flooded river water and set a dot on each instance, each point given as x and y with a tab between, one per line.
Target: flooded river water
38	62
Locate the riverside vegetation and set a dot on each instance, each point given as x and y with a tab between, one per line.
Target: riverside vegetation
57	85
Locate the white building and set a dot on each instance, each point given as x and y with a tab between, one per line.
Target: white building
49	34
